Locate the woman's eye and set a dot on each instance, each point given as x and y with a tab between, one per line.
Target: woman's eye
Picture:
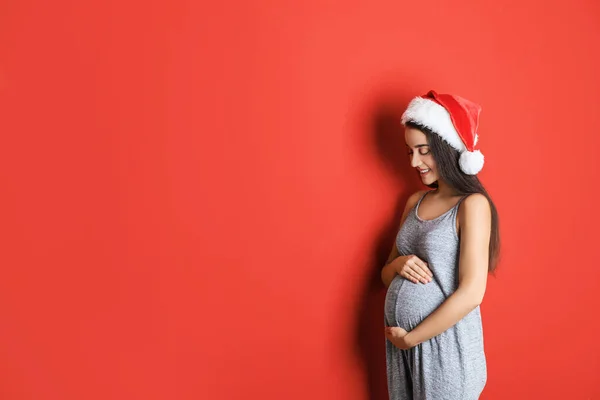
424	152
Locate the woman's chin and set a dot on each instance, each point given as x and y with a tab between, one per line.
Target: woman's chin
428	178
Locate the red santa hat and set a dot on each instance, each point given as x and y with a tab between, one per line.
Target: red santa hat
455	120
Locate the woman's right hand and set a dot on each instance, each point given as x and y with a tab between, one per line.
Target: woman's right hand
413	268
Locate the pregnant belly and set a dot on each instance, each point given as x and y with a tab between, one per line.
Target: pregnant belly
408	303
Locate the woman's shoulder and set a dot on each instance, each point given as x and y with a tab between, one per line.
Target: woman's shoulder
475	204
476	200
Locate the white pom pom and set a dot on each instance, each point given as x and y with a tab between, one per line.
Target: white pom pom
471	162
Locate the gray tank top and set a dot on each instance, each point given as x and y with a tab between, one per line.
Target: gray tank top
437	243
451	365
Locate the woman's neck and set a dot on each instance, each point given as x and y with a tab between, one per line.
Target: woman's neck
445	190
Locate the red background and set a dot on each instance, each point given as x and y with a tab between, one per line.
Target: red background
197	197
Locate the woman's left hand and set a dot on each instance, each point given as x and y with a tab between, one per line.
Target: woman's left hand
397	336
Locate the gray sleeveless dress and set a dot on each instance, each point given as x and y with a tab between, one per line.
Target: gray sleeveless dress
452	365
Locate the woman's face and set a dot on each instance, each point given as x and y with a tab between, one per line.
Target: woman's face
420	155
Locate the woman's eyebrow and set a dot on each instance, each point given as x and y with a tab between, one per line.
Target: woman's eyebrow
419	145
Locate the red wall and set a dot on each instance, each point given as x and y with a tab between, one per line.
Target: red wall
197	199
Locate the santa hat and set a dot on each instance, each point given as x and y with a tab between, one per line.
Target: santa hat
455	120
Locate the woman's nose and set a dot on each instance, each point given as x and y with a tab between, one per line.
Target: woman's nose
414	160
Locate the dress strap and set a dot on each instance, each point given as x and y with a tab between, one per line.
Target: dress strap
455	212
422	197
460	201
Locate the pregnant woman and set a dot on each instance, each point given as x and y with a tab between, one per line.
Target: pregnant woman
436	274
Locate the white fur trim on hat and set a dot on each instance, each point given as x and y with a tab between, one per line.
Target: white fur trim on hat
431	115
471	162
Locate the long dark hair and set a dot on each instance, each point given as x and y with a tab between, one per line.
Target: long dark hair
446	158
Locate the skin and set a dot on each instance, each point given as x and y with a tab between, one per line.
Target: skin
474	227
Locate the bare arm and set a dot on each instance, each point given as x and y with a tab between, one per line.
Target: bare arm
475	222
389	270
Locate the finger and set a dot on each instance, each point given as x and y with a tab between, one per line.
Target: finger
404	273
423	276
398	331
423	266
411	275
